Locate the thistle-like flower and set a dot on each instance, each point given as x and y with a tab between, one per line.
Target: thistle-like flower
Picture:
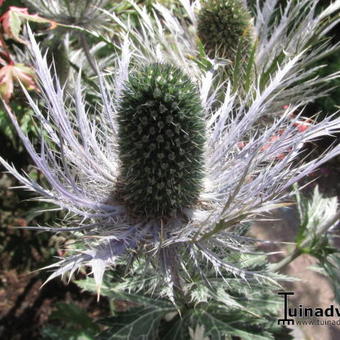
225	28
110	166
161	141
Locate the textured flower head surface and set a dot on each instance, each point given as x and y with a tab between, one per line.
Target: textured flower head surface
237	171
161	159
225	28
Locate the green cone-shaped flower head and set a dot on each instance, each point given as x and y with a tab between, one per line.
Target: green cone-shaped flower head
161	141
225	27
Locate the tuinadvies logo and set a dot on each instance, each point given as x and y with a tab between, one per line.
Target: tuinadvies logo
291	314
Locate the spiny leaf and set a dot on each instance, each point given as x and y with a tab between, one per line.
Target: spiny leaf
139	323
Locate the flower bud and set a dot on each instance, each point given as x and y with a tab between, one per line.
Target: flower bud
225	28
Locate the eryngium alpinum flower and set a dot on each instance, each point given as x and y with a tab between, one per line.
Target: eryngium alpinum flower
161	141
225	28
246	171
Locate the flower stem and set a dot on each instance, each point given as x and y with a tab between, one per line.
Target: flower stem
86	49
298	250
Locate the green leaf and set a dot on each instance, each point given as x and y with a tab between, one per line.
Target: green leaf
248	77
313	213
73	324
218	325
13	19
71	312
114	291
138	323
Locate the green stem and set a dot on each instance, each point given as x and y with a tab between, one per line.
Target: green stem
298	250
171	259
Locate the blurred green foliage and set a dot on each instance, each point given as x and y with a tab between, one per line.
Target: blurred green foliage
70	322
8	3
330	103
22	249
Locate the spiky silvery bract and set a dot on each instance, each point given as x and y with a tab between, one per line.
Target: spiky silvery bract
225	28
82	13
161	141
